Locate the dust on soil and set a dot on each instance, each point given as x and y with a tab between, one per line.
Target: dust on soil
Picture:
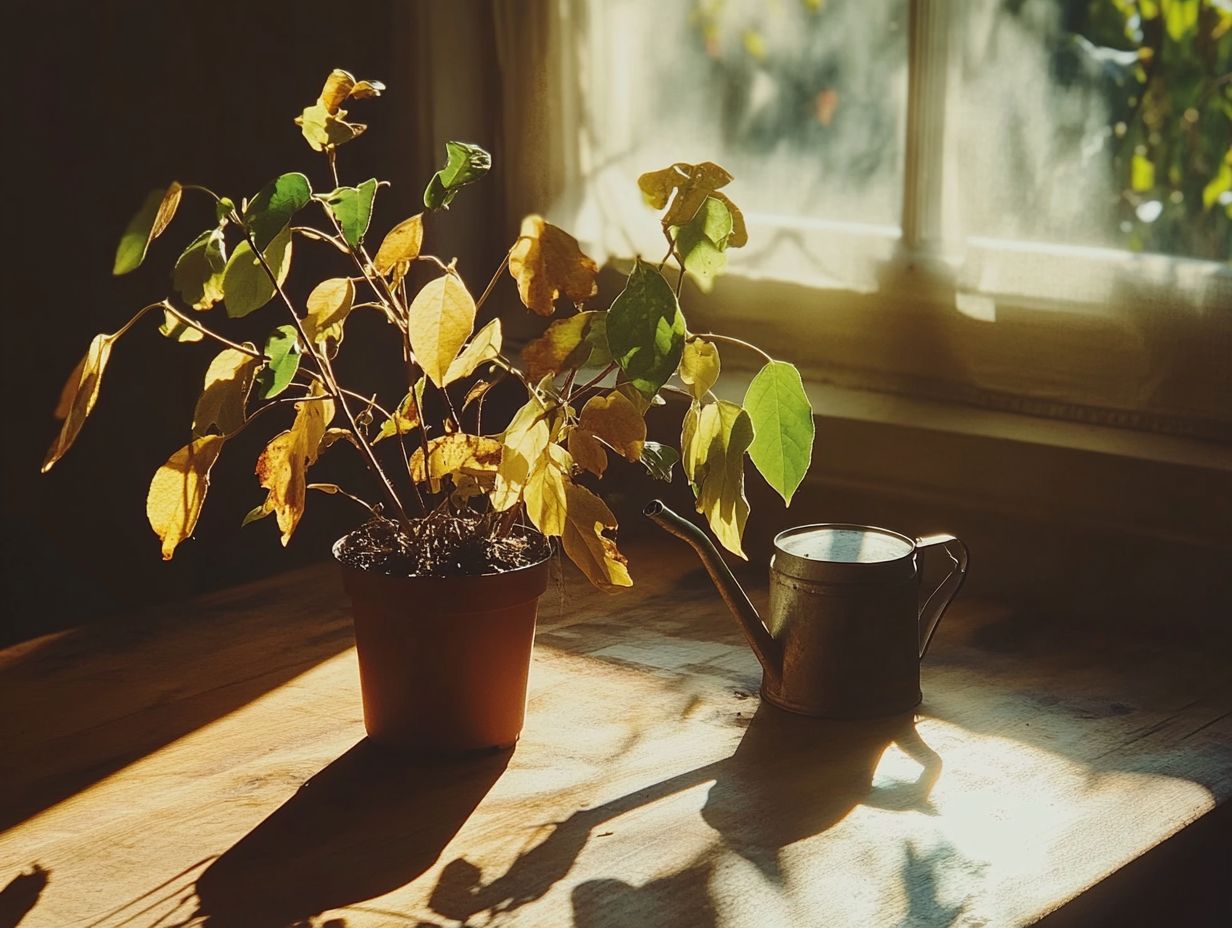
454	546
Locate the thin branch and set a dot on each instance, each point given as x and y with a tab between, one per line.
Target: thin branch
487	291
734	341
318	235
433	259
192	323
594	381
138	315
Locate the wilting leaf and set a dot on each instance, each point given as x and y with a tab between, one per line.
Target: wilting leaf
283	466
485	346
713	451
782	426
659	460
273	207
692	183
641	402
329	304
176	329
406	416
699	367
587	451
227	381
338	87
245	284
702	242
199	270
282	352
78	396
547	263
645	329
336	435
155	213
475	456
464	164
325	130
561	346
352	207
401	244
440	319
477	390
617	421
545	491
256	513
525	442
178	490
583	540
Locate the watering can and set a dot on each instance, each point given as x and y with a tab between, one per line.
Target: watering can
845	633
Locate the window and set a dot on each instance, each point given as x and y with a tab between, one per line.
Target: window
1024	204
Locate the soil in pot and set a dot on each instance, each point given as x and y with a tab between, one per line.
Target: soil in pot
444	626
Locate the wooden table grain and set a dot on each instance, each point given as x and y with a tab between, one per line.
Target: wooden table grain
204	765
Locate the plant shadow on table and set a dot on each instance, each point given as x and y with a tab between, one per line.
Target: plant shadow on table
790	778
369	823
21	895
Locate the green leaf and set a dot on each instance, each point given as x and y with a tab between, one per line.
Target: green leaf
282	351
256	513
224	208
177	330
274	205
155	213
596	338
198	273
702	242
645	329
659	460
782	426
465	163
352	207
245	284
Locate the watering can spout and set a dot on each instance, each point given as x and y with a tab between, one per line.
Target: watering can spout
765	647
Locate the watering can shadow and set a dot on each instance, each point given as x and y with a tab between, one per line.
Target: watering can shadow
845	631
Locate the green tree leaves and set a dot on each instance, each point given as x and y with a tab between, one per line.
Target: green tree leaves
274	205
782	421
155	214
352	207
246	285
282	352
701	243
645	329
465	163
199	270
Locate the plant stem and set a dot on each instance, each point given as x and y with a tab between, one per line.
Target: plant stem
133	321
318	235
734	341
594	381
487	291
191	323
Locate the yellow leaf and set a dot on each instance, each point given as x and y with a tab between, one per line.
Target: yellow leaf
586	516
545	491
525	442
587	451
477	390
338	87
178	490
440	319
616	420
405	417
400	245
227	381
324	130
485	346
692	183
559	347
329	304
475	456
699	367
716	437
282	467
78	397
547	263
177	329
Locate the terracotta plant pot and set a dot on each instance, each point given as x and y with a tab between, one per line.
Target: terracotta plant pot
443	661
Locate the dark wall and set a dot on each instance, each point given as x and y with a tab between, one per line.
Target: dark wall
106	102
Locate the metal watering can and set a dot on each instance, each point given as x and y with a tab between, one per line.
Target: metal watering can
845	632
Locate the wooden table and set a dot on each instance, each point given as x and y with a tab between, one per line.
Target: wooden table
206	766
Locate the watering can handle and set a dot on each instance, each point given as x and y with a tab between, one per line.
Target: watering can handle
934	606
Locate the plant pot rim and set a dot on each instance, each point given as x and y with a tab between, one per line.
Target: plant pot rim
335	550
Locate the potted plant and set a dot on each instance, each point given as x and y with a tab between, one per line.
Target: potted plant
445	572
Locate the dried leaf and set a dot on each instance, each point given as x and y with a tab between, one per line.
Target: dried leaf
176	329
699	367
283	466
440	319
338	87
78	396
587	451
584	542
545	491
525	442
614	419
477	390
692	183
406	416
199	270
227	382
562	346
475	456
547	263
485	346
329	304
714	444
155	214
178	490
401	244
